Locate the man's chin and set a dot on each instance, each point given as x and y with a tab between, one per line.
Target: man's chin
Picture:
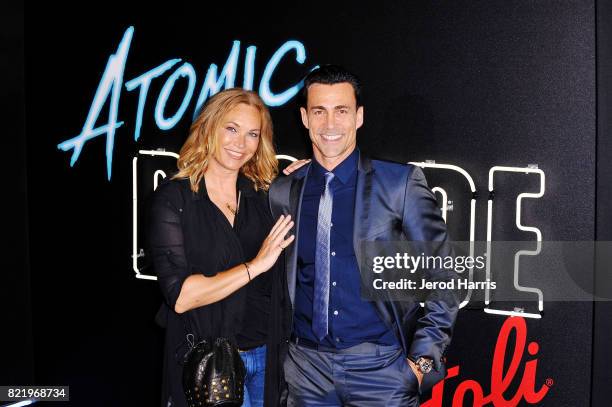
330	155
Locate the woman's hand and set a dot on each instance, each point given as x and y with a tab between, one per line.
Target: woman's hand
295	165
273	246
198	290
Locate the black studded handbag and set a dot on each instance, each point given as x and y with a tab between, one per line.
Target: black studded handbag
213	374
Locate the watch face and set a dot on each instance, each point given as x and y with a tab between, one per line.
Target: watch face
425	365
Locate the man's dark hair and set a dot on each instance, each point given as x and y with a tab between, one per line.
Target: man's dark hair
331	75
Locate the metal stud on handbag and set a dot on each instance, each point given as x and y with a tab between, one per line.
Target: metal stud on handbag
213	374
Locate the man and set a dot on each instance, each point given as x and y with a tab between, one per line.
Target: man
342	349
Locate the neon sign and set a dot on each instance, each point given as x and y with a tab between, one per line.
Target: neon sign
157	174
502	374
111	85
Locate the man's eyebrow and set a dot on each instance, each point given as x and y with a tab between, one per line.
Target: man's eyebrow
335	107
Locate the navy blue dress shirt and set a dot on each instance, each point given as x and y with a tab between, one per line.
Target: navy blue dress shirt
351	320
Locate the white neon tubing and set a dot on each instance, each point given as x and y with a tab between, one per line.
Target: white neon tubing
160	152
448	167
472	214
135	207
21	403
135	226
469	180
442	192
512	313
535	230
285	157
175	155
155	178
134	219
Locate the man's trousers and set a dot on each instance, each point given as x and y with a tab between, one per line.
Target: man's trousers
365	375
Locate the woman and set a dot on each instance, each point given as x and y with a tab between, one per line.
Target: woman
213	239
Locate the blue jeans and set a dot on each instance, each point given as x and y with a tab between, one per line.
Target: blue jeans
255	364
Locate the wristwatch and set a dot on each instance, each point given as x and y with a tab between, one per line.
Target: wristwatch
424	365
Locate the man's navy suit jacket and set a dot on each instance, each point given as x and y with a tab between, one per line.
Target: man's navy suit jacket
392	203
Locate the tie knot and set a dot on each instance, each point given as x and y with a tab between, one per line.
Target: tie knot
329	176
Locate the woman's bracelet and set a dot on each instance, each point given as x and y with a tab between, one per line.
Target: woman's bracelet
246	265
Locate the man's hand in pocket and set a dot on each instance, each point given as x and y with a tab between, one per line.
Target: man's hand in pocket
416	371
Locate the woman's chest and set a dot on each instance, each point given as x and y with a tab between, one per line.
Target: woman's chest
213	244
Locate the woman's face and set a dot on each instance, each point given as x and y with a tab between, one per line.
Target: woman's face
238	137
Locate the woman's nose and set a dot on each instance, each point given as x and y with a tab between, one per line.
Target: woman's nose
240	140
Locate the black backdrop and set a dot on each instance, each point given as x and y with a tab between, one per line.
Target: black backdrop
475	84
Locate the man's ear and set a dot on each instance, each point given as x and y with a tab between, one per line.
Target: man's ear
304	114
359	117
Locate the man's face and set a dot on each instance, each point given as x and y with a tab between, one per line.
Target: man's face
332	119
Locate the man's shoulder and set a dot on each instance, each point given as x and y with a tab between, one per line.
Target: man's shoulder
393	168
284	181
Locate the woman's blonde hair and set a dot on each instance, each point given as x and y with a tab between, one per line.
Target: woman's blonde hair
202	141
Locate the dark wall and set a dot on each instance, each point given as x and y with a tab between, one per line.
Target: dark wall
602	311
475	84
16	339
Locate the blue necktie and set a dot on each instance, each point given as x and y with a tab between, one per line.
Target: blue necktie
320	301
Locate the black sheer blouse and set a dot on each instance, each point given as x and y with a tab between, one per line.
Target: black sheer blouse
189	234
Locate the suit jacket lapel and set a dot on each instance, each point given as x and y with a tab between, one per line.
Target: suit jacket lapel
363	192
363	198
295	199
